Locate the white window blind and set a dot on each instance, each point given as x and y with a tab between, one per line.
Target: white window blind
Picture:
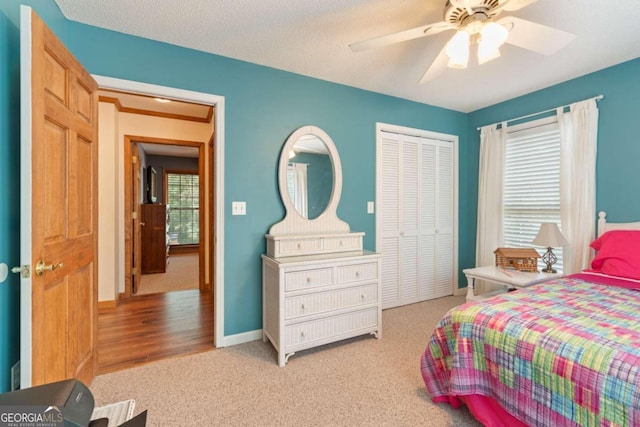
531	183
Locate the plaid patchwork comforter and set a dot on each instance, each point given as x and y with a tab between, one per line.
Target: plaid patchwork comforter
562	353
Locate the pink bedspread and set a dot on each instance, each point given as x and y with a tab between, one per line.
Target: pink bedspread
562	353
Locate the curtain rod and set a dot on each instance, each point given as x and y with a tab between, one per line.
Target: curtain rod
597	98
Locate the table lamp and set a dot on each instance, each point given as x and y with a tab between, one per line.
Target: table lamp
550	237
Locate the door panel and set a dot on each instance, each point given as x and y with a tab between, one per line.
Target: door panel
59	191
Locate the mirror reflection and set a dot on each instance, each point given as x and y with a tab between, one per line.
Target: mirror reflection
310	176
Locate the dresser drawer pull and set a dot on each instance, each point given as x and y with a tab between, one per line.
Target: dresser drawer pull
302	306
299	245
302	334
362	296
308	279
340	242
357	274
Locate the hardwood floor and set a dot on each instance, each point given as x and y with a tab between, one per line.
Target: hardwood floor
153	327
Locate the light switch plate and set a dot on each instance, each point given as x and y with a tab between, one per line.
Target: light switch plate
370	207
238	208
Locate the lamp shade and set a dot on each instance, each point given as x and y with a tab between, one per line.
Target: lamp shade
550	236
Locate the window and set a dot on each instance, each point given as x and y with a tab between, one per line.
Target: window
531	182
183	198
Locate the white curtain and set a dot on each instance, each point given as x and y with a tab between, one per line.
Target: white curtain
578	146
490	193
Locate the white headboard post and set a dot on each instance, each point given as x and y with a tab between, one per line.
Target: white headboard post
604	226
602	222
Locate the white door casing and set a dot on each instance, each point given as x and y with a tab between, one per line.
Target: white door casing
105	82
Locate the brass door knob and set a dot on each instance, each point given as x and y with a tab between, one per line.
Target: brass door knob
41	267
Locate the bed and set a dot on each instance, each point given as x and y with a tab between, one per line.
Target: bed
561	353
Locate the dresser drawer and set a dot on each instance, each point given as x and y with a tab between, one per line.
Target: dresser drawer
304	334
306	279
320	302
339	244
357	272
300	246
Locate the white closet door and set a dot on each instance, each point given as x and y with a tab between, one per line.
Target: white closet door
409	218
389	209
416	207
428	190
445	220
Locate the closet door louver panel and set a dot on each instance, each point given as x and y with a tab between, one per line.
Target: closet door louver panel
390	272
445	188
428	214
444	265
409	190
427	267
408	270
445	225
389	209
409	214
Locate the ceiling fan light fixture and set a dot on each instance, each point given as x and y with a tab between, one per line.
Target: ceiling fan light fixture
493	36
458	50
486	54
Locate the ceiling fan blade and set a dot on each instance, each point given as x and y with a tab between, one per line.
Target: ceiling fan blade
437	66
535	37
414	33
512	5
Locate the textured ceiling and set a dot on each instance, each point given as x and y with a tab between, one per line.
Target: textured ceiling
311	37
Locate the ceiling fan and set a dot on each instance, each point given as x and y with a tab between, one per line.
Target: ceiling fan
475	21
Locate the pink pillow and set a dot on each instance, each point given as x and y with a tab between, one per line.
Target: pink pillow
618	254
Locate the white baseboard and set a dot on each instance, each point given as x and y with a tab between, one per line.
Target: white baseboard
242	338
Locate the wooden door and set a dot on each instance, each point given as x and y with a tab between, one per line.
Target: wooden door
59	209
154	238
137	224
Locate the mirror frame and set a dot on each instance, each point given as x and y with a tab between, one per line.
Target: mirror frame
327	221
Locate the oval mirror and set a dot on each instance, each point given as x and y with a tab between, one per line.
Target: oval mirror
310	181
309	176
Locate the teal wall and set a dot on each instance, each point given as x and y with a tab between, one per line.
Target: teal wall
264	106
617	177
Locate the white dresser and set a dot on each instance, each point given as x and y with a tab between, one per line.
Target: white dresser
313	300
318	284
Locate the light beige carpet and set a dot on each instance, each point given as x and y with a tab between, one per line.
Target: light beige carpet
358	382
182	273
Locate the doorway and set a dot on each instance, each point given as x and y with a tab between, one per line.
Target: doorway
215	202
165	216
